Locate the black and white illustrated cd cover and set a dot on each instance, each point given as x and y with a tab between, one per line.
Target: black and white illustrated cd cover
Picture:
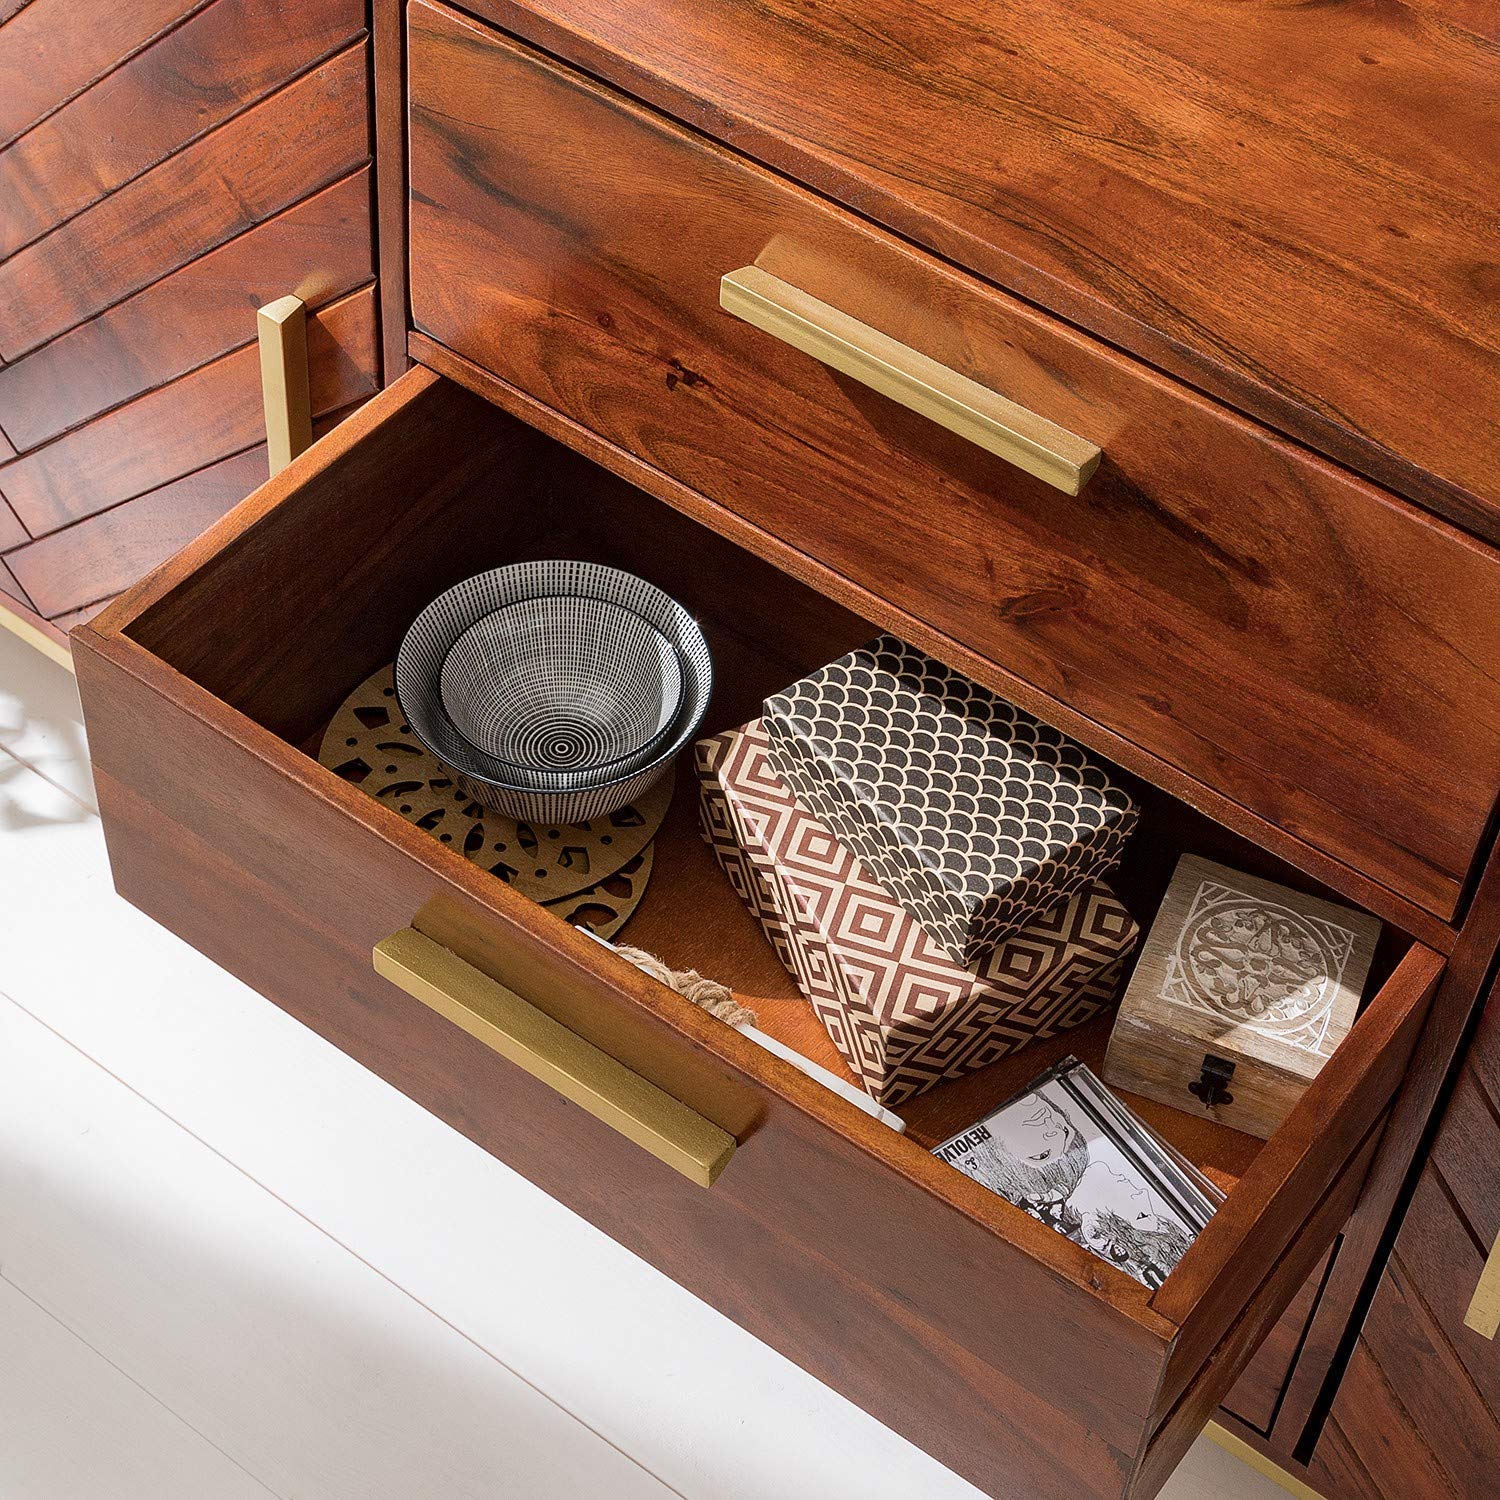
1068	1153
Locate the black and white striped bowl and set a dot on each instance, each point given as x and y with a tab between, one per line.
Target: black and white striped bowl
563	687
554	691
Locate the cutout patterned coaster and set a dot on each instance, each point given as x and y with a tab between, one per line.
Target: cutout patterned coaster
605	908
368	744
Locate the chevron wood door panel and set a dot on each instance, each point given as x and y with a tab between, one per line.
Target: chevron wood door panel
58	47
12	533
11	588
194	79
308	134
177	428
1257	1393
107	553
1417	1413
318	249
70	574
166	167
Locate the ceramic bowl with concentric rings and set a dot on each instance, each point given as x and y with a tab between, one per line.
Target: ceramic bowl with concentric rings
555	691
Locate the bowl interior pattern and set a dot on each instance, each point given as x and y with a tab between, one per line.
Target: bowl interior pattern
562	683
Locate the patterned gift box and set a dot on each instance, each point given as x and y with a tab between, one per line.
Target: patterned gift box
975	816
901	1012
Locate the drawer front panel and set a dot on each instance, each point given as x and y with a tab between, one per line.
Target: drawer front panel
1310	243
1306	645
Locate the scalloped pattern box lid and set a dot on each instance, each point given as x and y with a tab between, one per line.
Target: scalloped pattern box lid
974	815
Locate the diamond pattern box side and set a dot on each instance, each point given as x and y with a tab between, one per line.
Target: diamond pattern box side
748	884
903	1015
972	813
852	1030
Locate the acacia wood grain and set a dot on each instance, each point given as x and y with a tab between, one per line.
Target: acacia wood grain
1420	1399
1258	1389
99	557
194	78
74	572
1430	1381
1319	652
1139	172
1463	1157
309	133
388	25
1336	1470
187	424
1443	1256
1395	1461
10	586
66	622
12	532
52	49
42	633
1482	1057
318	250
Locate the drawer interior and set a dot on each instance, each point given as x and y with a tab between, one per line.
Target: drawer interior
282	622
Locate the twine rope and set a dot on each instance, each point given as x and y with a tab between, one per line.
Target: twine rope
717	999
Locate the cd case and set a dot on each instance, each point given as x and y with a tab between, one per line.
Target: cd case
1067	1152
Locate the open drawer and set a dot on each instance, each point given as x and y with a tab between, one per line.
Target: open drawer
1006	1351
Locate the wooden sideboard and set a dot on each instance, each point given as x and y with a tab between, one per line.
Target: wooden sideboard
1274	606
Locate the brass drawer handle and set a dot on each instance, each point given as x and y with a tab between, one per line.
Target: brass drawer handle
281	328
1483	1315
547	1050
1052	453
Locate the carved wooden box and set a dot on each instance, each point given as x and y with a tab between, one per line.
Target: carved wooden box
1242	991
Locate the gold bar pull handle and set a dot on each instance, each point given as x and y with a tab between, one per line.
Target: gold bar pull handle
564	1061
1052	453
282	330
1483	1315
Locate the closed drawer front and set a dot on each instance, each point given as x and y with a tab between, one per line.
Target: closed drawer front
1004	1349
1279	631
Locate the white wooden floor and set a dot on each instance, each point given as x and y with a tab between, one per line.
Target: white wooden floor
234	1264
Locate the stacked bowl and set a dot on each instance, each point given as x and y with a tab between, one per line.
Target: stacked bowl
555	692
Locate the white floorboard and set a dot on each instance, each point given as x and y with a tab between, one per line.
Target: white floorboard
71	1425
40	721
306	1368
698	1403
